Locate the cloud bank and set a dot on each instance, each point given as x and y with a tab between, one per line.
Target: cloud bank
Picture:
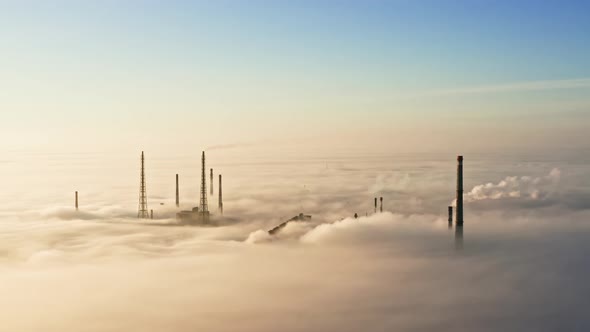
522	267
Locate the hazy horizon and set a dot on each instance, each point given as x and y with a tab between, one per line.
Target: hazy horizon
313	107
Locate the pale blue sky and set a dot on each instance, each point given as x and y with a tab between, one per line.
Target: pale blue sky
255	70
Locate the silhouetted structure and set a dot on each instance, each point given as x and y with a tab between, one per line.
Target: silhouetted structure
459	212
381	205
356	215
143	209
450	217
177	193
220	207
152	214
375	204
204	209
76	200
298	218
198	215
211	179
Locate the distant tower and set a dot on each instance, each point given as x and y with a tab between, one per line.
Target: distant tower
375	204
203	206
220	197
459	212
450	217
177	193
152	214
211	181
76	200
381	206
143	210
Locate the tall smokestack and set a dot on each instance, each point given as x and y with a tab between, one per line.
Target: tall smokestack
450	217
381	206
375	204
76	200
220	197
152	214
177	193
211	180
459	212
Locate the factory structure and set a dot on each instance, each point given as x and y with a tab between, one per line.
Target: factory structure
201	216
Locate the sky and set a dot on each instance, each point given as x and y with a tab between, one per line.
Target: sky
419	75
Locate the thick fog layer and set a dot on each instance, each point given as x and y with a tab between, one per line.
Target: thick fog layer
520	265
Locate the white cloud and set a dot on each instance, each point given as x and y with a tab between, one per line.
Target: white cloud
515	187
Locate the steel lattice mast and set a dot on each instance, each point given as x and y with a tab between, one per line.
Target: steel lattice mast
203	206
143	209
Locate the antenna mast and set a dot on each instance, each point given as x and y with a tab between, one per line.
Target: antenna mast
203	206
143	210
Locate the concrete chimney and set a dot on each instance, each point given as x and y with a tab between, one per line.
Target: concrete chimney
459	212
177	193
220	197
76	200
381	206
450	217
211	180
